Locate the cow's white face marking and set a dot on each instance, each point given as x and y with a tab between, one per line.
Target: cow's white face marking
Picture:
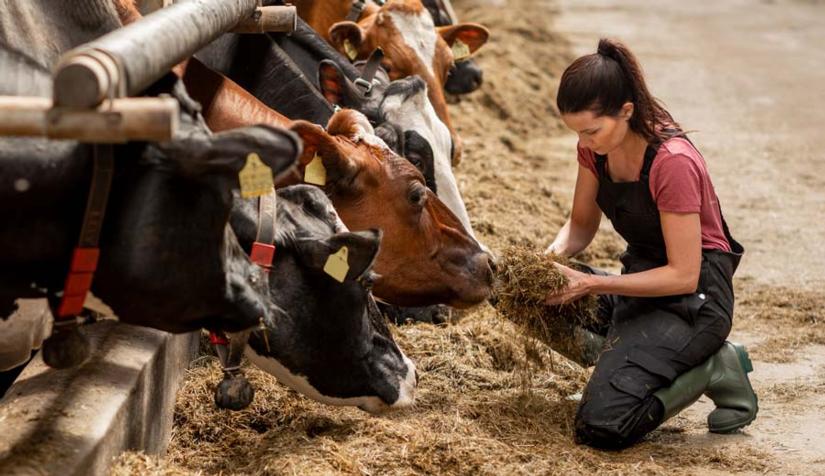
418	32
417	114
299	383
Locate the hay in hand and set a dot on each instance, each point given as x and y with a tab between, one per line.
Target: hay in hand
525	276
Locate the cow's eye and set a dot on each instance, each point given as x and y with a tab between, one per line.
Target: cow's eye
418	195
415	159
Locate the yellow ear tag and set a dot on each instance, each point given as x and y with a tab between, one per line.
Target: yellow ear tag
352	53
315	172
460	50
337	265
255	177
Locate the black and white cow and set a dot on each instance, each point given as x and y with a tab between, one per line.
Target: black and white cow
326	339
168	258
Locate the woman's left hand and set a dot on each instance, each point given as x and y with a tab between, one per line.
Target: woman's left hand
578	285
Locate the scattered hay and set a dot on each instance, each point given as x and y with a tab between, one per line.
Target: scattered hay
524	278
473	415
761	310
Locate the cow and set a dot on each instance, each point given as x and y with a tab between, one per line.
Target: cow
327	340
399	110
406	239
167	215
405	31
427	257
466	75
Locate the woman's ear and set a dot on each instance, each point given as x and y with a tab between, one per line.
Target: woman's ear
627	110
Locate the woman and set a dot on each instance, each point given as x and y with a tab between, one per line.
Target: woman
666	317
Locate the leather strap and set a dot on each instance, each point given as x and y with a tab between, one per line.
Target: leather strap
356	9
368	71
263	249
85	256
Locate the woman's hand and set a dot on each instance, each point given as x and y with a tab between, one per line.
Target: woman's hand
578	285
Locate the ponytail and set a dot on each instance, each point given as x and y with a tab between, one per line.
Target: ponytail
604	81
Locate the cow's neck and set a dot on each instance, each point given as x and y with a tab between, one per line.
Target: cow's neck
45	29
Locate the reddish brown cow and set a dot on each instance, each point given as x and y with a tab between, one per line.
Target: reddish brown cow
405	31
426	254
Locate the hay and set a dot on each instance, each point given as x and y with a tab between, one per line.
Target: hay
474	415
524	278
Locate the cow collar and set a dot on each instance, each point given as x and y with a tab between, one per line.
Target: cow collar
85	255
357	8
368	71
263	248
262	254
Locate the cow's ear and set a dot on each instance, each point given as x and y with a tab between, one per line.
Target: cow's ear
337	167
347	37
331	80
350	124
471	34
228	151
329	255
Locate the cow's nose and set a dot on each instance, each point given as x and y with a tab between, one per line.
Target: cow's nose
476	80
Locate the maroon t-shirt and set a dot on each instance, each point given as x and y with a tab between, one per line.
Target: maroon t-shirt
679	182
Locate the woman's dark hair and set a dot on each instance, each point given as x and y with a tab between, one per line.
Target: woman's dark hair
604	81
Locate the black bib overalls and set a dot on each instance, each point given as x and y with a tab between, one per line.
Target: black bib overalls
650	341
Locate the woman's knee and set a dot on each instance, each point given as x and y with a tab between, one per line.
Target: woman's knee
637	421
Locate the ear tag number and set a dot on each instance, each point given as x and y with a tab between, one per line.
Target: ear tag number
255	177
352	53
337	265
315	172
460	50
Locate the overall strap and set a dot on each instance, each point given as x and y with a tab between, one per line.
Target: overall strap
650	154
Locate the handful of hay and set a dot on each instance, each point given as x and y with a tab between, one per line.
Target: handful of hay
524	278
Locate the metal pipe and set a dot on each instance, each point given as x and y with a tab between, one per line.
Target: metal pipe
272	19
121	120
127	60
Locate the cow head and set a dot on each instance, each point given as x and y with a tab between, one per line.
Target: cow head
412	45
404	118
329	343
427	256
465	76
169	259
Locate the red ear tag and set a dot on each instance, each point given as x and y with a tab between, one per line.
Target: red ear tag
262	254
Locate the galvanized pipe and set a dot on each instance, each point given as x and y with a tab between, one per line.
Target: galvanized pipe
126	61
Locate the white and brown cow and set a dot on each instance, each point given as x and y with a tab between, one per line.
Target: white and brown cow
412	44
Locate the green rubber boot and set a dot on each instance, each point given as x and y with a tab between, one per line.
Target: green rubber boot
724	377
731	391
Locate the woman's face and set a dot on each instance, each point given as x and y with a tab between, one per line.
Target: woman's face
601	134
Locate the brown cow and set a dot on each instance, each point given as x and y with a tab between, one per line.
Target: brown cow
412	44
426	254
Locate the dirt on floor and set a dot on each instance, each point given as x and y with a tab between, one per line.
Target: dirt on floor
491	401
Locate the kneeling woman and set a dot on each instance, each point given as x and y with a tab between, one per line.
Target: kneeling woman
666	317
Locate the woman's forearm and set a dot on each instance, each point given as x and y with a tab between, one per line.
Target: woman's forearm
663	281
570	240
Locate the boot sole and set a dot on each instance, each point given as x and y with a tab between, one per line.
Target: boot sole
747	366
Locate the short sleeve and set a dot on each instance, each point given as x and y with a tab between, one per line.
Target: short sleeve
587	159
676	184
